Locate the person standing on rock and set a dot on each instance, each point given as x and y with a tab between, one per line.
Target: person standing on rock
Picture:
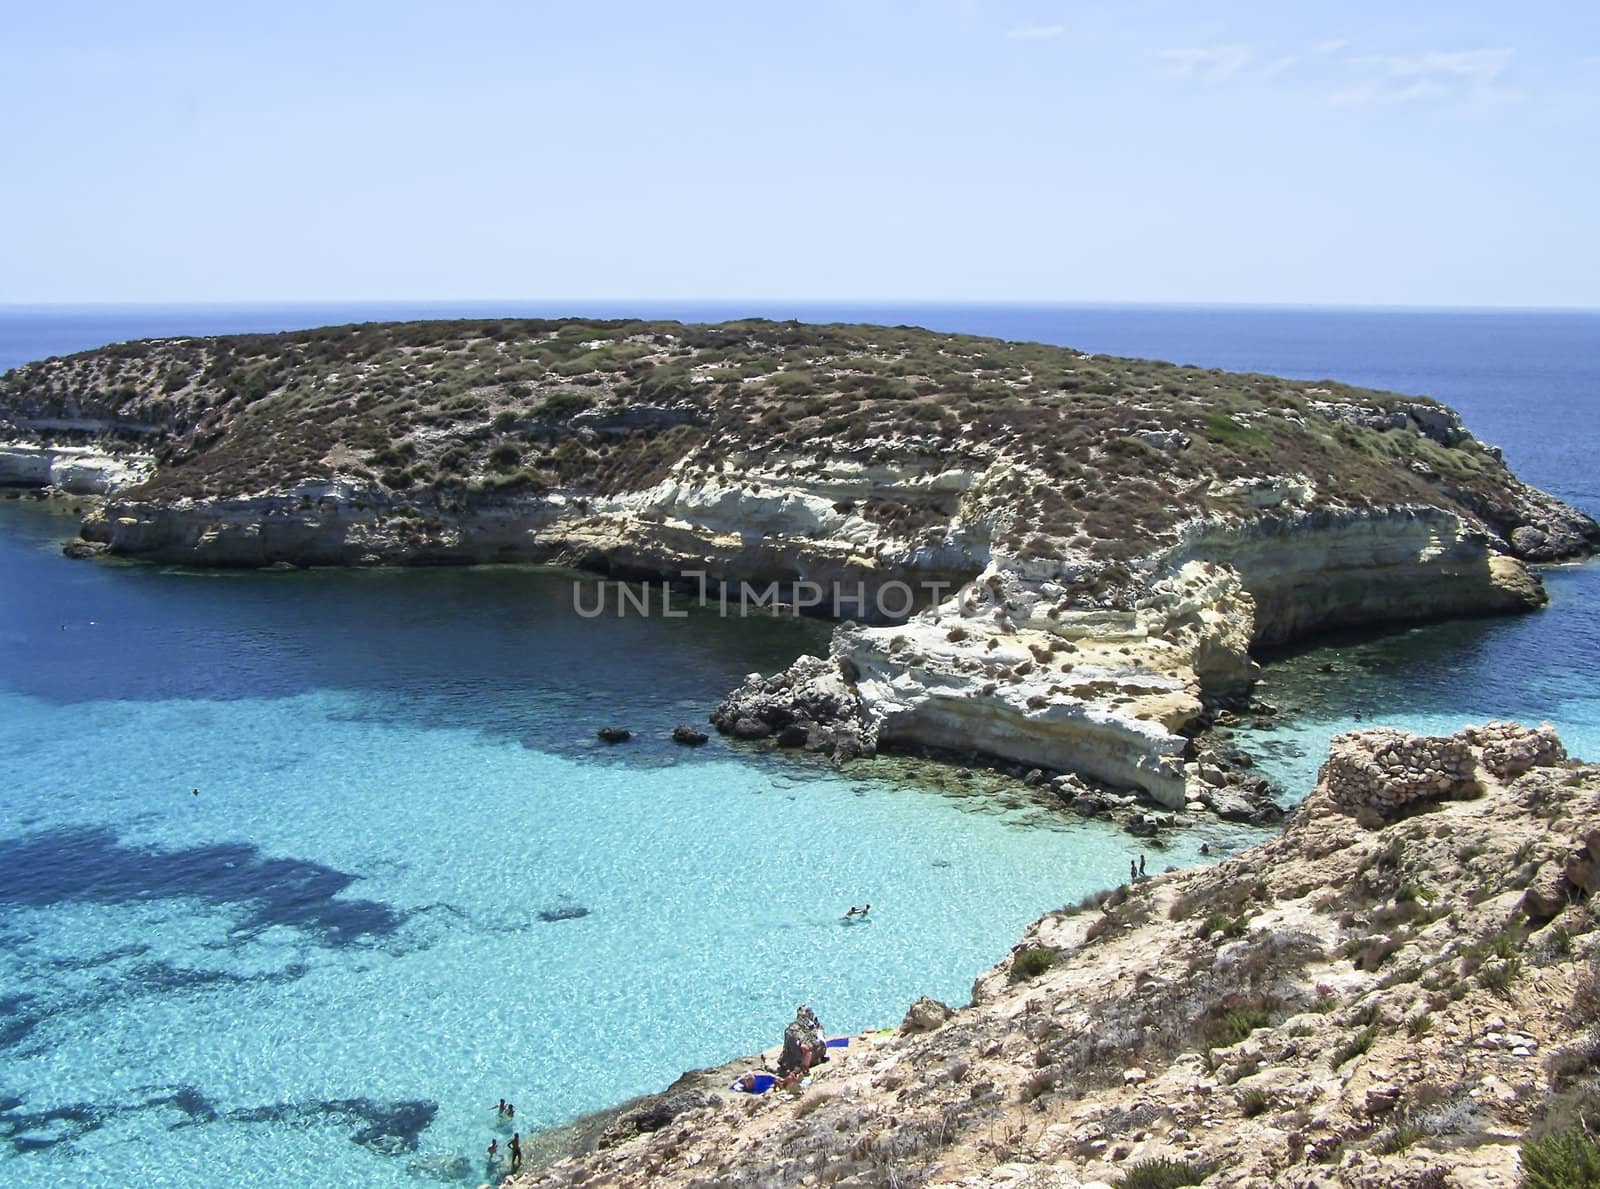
516	1152
1141	866
1133	871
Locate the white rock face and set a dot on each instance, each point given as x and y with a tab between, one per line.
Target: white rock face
78	470
803	501
1012	668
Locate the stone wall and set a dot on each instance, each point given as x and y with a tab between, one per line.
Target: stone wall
1509	749
1382	772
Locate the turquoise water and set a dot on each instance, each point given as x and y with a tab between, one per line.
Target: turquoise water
1438	678
412	882
341	937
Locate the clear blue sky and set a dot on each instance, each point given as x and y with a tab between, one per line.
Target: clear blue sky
1405	152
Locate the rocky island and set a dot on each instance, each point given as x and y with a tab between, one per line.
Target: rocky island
1055	559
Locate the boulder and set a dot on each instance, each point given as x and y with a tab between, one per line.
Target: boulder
1548	892
652	1115
613	735
796	734
749	728
925	1015
1143	825
79	549
688	736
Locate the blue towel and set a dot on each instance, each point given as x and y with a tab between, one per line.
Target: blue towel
838	1042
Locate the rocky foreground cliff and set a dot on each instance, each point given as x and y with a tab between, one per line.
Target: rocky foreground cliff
1058	559
1403	989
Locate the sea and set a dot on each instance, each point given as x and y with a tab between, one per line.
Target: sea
300	874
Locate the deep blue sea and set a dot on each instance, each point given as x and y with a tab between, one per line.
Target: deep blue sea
412	883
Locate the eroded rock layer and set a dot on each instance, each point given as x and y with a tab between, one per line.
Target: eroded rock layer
1049	557
1408	1001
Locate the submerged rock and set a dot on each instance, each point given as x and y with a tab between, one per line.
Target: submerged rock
79	549
564	912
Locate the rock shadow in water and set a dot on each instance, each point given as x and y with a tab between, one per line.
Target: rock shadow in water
388	1128
91	866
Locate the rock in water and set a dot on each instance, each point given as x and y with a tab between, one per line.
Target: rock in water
809	704
564	912
688	736
613	735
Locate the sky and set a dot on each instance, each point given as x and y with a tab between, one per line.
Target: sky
1398	153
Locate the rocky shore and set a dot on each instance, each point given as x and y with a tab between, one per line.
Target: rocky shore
1401	989
1055	560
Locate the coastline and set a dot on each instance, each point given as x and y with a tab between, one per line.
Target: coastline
1271	694
1345	967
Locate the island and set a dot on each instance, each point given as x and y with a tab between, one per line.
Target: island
1058	560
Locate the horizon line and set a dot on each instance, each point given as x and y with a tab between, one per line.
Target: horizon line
836	302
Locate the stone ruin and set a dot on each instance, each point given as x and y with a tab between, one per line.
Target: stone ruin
1382	772
1510	749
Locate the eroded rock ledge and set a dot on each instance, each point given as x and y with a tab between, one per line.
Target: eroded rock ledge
1399	1001
1030	666
1123	532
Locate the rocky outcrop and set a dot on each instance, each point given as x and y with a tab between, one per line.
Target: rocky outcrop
1311	569
812	698
1397	1003
75	470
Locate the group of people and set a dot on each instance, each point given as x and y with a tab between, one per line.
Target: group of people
857	912
1136	869
506	1110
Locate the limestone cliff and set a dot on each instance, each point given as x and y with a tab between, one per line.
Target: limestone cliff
1402	989
1086	548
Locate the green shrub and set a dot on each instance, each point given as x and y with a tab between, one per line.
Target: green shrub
565	404
1354	1047
1228	926
1163	1173
1032	962
1239	1023
1568	1159
1399	1137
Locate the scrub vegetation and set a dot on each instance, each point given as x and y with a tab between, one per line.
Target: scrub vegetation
1101	455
